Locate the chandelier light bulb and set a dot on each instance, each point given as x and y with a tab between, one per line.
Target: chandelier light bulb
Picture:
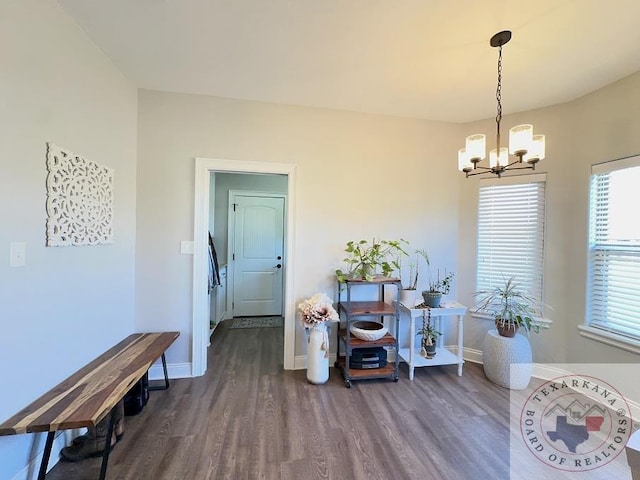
463	161
520	139
498	161
537	150
475	147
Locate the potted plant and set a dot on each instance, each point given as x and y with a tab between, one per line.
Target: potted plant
409	288
437	289
429	337
365	259
510	307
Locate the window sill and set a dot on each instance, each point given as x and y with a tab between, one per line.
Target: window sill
543	323
609	338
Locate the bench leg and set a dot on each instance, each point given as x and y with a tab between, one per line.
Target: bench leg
166	376
46	455
107	444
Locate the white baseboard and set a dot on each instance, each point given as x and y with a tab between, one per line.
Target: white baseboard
472	355
61	440
174	370
300	361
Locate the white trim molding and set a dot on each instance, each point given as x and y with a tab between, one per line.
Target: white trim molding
174	370
200	322
610	338
472	355
543	323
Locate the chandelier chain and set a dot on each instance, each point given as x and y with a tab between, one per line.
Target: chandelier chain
499	99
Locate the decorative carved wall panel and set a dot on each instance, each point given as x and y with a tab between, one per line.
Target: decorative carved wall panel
79	200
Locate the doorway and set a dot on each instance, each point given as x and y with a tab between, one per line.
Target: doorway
256	252
200	323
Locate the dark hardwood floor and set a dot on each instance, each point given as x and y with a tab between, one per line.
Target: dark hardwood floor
247	418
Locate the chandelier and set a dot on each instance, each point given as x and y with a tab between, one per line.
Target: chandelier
523	144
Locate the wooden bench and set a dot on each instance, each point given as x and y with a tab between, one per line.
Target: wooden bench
90	394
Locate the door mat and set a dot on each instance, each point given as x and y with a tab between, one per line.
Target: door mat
257	322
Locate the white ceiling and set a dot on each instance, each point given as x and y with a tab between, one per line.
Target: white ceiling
414	58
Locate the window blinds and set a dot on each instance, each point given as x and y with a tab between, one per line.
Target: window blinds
511	215
613	292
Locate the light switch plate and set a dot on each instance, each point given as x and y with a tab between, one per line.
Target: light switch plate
17	254
186	247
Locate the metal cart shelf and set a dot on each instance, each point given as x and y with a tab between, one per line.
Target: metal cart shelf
355	310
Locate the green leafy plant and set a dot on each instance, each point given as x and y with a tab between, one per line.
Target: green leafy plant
509	306
428	331
430	336
441	285
364	259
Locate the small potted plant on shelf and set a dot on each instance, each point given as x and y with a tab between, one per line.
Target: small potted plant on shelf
408	292
365	260
510	307
437	289
429	337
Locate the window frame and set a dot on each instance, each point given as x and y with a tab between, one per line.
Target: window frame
597	329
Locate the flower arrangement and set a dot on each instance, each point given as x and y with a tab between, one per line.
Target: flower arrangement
317	310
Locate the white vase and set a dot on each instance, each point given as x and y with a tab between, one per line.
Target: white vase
318	355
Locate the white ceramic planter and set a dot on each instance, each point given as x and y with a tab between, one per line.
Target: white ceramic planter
408	298
507	361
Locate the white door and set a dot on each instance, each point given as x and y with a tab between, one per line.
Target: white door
258	255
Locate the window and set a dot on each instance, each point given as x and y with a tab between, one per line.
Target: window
613	287
511	233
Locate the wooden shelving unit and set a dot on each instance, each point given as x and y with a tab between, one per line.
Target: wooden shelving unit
355	310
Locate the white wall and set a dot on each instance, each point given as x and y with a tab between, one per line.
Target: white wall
68	304
363	175
606	126
595	128
358	176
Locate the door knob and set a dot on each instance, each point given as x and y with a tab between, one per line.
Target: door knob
279	257
279	265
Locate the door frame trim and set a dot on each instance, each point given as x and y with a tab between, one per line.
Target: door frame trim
231	238
200	323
